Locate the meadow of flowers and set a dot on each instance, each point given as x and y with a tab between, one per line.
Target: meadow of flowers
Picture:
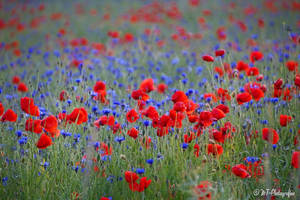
189	99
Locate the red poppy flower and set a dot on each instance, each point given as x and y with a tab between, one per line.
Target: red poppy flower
193	118
296	159
139	95
161	88
50	125
99	86
278	83
147	85
196	150
150	112
133	133
224	108
33	126
256	93
1	109
9	116
128	37
176	115
214	149
277	93
260	77
111	120
220	52
78	116
217	113
297	80
162	131
63	95
104	198
255	56
115	128
22	87
101	121
223	94
62	116
16	80
240	170
220	71
101	96
285	119
144	183
113	34
164	120
261	23
287	94
217	135
189	138
179	106
208	58
131	177
27	105
221	33
141	105
17	52
190	107
132	116
252	71
179	96
202	191
291	65
270	135
243	98
194	3
242	66
106	151
205	118
133	186
44	141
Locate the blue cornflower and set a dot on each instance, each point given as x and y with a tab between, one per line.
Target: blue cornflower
140	170
184	145
149	161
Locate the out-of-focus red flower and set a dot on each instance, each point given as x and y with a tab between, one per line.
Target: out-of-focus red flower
256	56
270	135
208	58
291	65
161	88
240	170
50	125
22	87
78	116
9	116
132	116
179	96
44	141
27	105
139	95
34	126
220	52
133	132
285	119
243	98
147	85
296	159
214	149
16	80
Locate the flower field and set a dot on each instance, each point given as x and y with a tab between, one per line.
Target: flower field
190	99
